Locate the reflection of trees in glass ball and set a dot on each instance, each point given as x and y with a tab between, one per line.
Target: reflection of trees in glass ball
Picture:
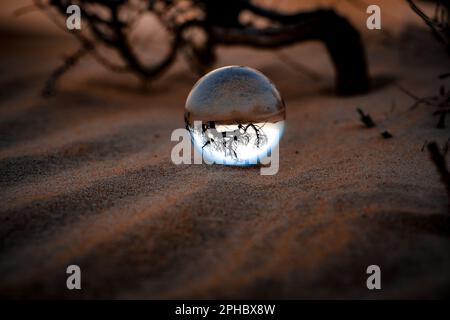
235	115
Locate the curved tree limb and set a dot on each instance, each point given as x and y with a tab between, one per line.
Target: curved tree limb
341	39
440	24
221	25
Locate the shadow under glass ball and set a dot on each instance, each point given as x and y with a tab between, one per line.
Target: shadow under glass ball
235	116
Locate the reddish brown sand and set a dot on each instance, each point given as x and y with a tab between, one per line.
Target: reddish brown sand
86	178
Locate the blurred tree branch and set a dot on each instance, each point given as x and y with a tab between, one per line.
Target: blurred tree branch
218	23
440	23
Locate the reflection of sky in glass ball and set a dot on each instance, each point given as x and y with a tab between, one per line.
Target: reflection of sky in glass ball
235	116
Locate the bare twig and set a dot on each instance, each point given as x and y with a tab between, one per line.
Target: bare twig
366	119
386	134
439	160
69	62
424	145
425	100
441	101
440	24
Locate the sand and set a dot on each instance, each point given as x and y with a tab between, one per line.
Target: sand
86	178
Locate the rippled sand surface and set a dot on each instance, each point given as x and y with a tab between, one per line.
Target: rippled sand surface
86	178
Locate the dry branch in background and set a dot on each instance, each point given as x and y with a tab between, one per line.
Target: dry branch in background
196	27
440	101
438	159
439	23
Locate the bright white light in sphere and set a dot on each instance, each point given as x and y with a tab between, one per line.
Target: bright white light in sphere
235	116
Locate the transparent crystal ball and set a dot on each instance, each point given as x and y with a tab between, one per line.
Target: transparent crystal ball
235	116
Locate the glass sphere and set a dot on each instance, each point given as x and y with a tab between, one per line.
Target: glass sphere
235	116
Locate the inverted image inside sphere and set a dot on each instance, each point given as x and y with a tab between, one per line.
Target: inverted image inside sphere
234	94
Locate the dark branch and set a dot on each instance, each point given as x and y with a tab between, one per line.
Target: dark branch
219	20
341	39
69	62
439	160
